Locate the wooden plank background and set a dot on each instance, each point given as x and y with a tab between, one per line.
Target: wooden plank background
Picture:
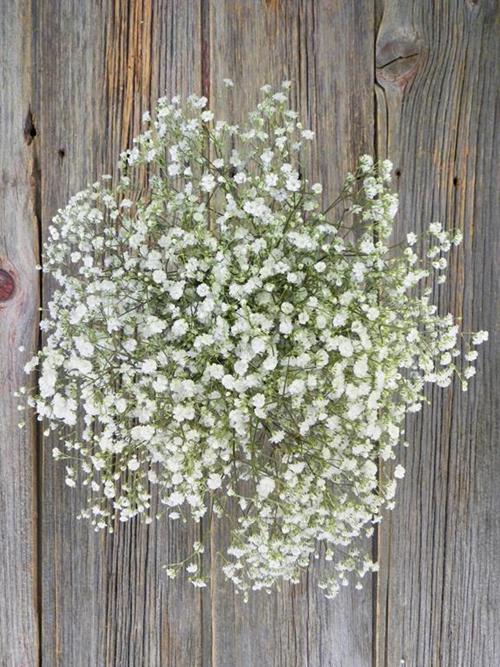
416	80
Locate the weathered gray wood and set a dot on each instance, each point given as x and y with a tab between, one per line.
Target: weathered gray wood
326	49
105	599
94	68
439	586
19	300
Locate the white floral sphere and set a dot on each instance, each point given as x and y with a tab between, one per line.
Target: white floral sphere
219	335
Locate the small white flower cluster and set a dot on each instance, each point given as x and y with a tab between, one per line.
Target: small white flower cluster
222	336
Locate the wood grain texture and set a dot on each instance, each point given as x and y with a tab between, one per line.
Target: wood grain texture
326	50
79	74
18	327
439	589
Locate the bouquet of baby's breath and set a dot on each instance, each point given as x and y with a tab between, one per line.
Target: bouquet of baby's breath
222	339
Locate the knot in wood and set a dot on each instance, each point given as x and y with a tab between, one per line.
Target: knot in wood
397	61
7	285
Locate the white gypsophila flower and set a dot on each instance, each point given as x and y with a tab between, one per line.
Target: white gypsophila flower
265	486
399	472
479	337
219	338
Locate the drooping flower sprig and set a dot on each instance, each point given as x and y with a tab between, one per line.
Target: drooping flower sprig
221	338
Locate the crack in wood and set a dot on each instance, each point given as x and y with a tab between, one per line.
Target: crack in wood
398	59
29	129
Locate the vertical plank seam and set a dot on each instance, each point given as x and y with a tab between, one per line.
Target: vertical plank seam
205	81
375	539
36	203
205	48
